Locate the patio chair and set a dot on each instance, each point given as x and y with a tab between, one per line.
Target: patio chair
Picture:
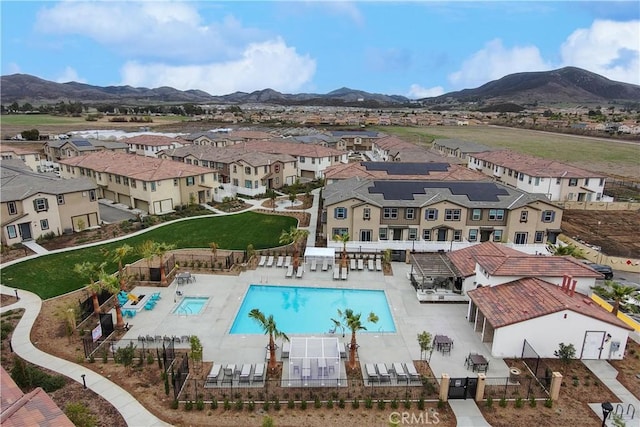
378	264
212	377
343	274
383	372
280	262
352	264
372	374
258	373
411	371
149	338
287	261
336	272
289	273
270	260
370	265
155	296
360	264
398	369
141	338
150	305
300	272
286	348
314	265
325	265
185	338
263	260
245	373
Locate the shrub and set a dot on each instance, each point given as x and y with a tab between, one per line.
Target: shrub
214	403
440	404
291	404
407	404
489	402
303	404
368	403
276	404
329	404
267	421
80	415
341	403
175	404
5	329
381	404
251	406
188	405
421	404
226	405
519	402
317	403
239	405
27	377
503	403
394	404
548	403
199	404
533	402
355	404
265	405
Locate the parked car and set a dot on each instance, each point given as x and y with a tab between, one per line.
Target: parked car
605	270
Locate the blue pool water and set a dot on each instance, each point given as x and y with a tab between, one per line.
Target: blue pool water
299	310
190	306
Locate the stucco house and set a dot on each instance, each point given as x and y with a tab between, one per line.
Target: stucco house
31	158
150	145
543	315
459	149
34	204
66	148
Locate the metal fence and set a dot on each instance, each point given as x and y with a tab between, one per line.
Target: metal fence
525	387
86	306
536	365
179	376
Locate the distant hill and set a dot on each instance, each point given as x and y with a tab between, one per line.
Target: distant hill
568	85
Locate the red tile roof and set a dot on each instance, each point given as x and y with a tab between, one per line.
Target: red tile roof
530	298
534	265
135	167
152	140
32	409
465	259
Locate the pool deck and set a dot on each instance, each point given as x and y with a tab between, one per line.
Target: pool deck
226	293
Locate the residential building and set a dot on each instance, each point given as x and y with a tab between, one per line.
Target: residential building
357	140
226	137
458	148
150	145
558	181
35	204
66	148
31	158
148	184
394	149
419	213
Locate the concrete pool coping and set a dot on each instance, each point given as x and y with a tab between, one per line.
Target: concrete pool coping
226	294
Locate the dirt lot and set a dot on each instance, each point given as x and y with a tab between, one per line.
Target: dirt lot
629	368
617	233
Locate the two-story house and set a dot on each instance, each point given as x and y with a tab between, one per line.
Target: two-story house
437	211
150	145
31	158
149	184
393	149
66	148
557	180
458	148
34	204
357	140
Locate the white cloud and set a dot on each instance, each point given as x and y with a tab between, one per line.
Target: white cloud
495	61
416	91
69	75
608	48
270	64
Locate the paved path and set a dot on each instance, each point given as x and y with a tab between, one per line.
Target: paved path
31	244
131	410
468	414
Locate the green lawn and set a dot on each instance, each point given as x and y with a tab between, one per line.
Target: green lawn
52	275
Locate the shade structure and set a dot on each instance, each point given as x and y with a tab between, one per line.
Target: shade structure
320	255
314	362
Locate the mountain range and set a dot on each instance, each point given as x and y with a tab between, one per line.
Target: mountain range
567	85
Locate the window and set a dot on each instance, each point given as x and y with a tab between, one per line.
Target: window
248	183
496	214
92	195
365	235
524	216
558	181
12	208
457	235
133	183
125	180
573	182
40	205
473	235
340	213
340	231
144	185
426	234
301	159
236	182
548	216
521	238
510	172
110	178
601	182
390	213
11	231
118	181
413	234
409	213
202	179
521	176
235	169
190	181
538	237
313	160
276	168
382	234
247	170
452	214
366	213
431	214
44	224
153	186
175	182
476	214
570	196
497	235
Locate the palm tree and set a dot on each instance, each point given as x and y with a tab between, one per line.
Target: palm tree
214	250
91	271
268	325
352	321
112	284
563	250
616	292
119	254
147	250
160	250
294	236
343	238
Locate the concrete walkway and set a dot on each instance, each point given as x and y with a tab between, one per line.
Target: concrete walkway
31	244
468	414
131	410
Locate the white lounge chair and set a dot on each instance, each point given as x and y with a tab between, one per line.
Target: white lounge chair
263	261
286	347
370	265
360	264
280	262
287	261
289	272
343	274
378	264
214	374
372	374
314	265
336	272
383	372
325	265
398	369
300	272
258	373
343	350
245	373
270	261
411	371
353	263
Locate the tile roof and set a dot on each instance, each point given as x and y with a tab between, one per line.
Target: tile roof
151	140
272	146
530	298
135	167
408	151
465	259
16	150
453	172
535	265
463	146
35	408
535	166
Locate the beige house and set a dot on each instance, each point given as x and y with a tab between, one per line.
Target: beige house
30	157
150	145
458	148
419	214
226	137
148	184
66	148
393	149
357	140
34	204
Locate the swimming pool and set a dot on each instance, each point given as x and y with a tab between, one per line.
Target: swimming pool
190	306
305	310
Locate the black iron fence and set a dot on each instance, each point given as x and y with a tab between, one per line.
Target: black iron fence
179	376
523	387
86	306
536	365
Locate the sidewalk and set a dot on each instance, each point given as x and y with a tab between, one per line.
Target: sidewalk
468	414
131	410
607	374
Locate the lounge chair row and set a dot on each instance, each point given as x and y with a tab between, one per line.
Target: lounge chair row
298	273
378	372
160	338
245	374
339	273
358	264
270	260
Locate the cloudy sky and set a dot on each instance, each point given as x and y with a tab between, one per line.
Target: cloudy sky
414	48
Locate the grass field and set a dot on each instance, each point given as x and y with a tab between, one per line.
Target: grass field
52	275
599	155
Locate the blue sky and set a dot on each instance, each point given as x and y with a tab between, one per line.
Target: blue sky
416	48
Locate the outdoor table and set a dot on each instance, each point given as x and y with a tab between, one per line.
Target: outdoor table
442	342
183	277
478	363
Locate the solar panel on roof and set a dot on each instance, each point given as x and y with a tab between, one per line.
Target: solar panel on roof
409	168
405	190
81	143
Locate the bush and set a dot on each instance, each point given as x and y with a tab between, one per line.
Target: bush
329	404
80	415
368	403
440	404
265	405
267	421
226	405
5	329
239	405
421	404
355	404
519	402
533	402
489	402
503	403
394	404
214	403
303	404
175	404
276	404
548	403
199	404
381	404
28	377
291	404
317	403
251	406
341	403
407	404
188	405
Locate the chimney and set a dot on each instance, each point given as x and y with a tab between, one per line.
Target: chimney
573	287
563	286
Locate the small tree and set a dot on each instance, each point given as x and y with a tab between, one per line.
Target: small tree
424	340
268	325
214	249
271	194
196	351
112	284
294	236
616	292
292	197
119	255
91	271
566	353
80	415
342	238
125	355
564	250
351	320
160	249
